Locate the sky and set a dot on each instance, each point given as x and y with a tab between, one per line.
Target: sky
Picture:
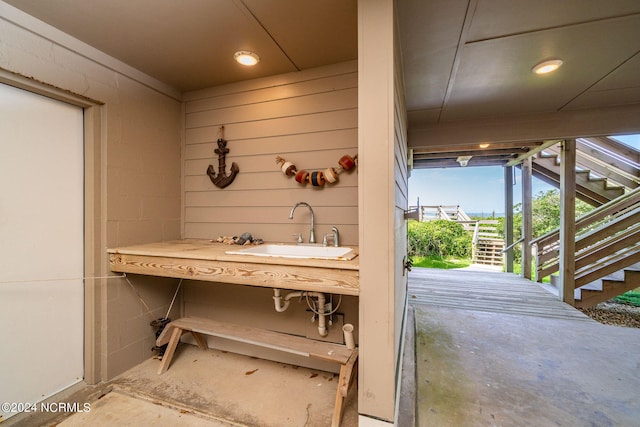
476	189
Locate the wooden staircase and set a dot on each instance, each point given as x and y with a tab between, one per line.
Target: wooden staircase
607	287
604	289
607	258
445	212
489	252
590	188
604	169
487	244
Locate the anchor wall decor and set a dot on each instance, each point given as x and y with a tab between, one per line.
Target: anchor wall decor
221	180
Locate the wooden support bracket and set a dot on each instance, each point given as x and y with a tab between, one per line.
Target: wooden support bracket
320	350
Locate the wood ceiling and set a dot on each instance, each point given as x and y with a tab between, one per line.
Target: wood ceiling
465	61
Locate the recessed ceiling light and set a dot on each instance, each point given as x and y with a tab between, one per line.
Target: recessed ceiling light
546	67
247	58
484	145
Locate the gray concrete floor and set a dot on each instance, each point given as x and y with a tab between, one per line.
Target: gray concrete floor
482	361
488	349
210	388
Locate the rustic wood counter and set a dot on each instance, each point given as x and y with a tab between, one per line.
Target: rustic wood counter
205	260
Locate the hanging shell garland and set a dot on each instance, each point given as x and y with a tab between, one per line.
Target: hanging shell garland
317	178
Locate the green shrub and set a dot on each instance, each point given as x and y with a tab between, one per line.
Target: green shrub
439	238
630	298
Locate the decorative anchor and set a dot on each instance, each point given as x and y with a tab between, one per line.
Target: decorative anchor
222	179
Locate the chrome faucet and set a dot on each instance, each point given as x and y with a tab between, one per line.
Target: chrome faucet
335	236
312	233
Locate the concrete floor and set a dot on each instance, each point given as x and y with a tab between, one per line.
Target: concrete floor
490	359
491	349
211	388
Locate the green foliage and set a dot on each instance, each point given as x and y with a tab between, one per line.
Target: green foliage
630	298
546	213
443	263
545	216
439	238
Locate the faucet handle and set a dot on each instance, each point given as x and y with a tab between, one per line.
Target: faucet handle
336	236
298	237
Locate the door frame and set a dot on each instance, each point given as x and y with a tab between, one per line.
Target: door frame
95	260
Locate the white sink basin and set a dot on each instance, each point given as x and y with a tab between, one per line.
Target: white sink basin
297	251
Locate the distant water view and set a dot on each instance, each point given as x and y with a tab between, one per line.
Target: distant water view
479	191
484	214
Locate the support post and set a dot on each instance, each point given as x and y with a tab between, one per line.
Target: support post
380	302
567	221
508	217
527	216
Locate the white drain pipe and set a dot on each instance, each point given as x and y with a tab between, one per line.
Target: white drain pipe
281	304
347	329
322	317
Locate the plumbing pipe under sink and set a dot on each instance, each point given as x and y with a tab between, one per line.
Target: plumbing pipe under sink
347	329
281	304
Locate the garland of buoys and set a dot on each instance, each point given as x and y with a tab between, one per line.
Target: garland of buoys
317	178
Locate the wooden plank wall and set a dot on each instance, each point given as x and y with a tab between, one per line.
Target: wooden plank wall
308	118
401	196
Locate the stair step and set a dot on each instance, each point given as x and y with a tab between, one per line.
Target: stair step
591	294
590	187
546	155
593	286
487	263
614	189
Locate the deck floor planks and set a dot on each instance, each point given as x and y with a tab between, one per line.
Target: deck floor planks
486	291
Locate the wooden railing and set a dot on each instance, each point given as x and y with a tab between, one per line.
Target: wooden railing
448	213
484	229
607	240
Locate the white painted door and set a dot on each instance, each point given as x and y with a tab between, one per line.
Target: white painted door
41	247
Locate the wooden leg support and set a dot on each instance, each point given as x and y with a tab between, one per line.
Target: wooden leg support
200	340
348	372
297	345
171	349
171	336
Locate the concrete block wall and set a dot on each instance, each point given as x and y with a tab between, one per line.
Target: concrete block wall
139	146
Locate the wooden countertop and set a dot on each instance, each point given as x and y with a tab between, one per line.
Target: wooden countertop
206	260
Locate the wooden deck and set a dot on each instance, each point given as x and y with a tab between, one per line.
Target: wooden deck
487	291
493	349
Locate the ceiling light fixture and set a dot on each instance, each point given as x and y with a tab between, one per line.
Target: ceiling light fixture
484	145
548	66
463	160
247	58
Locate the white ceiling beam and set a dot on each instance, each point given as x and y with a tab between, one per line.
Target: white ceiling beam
534	127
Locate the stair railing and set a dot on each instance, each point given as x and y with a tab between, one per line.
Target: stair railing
520	240
606	238
461	215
